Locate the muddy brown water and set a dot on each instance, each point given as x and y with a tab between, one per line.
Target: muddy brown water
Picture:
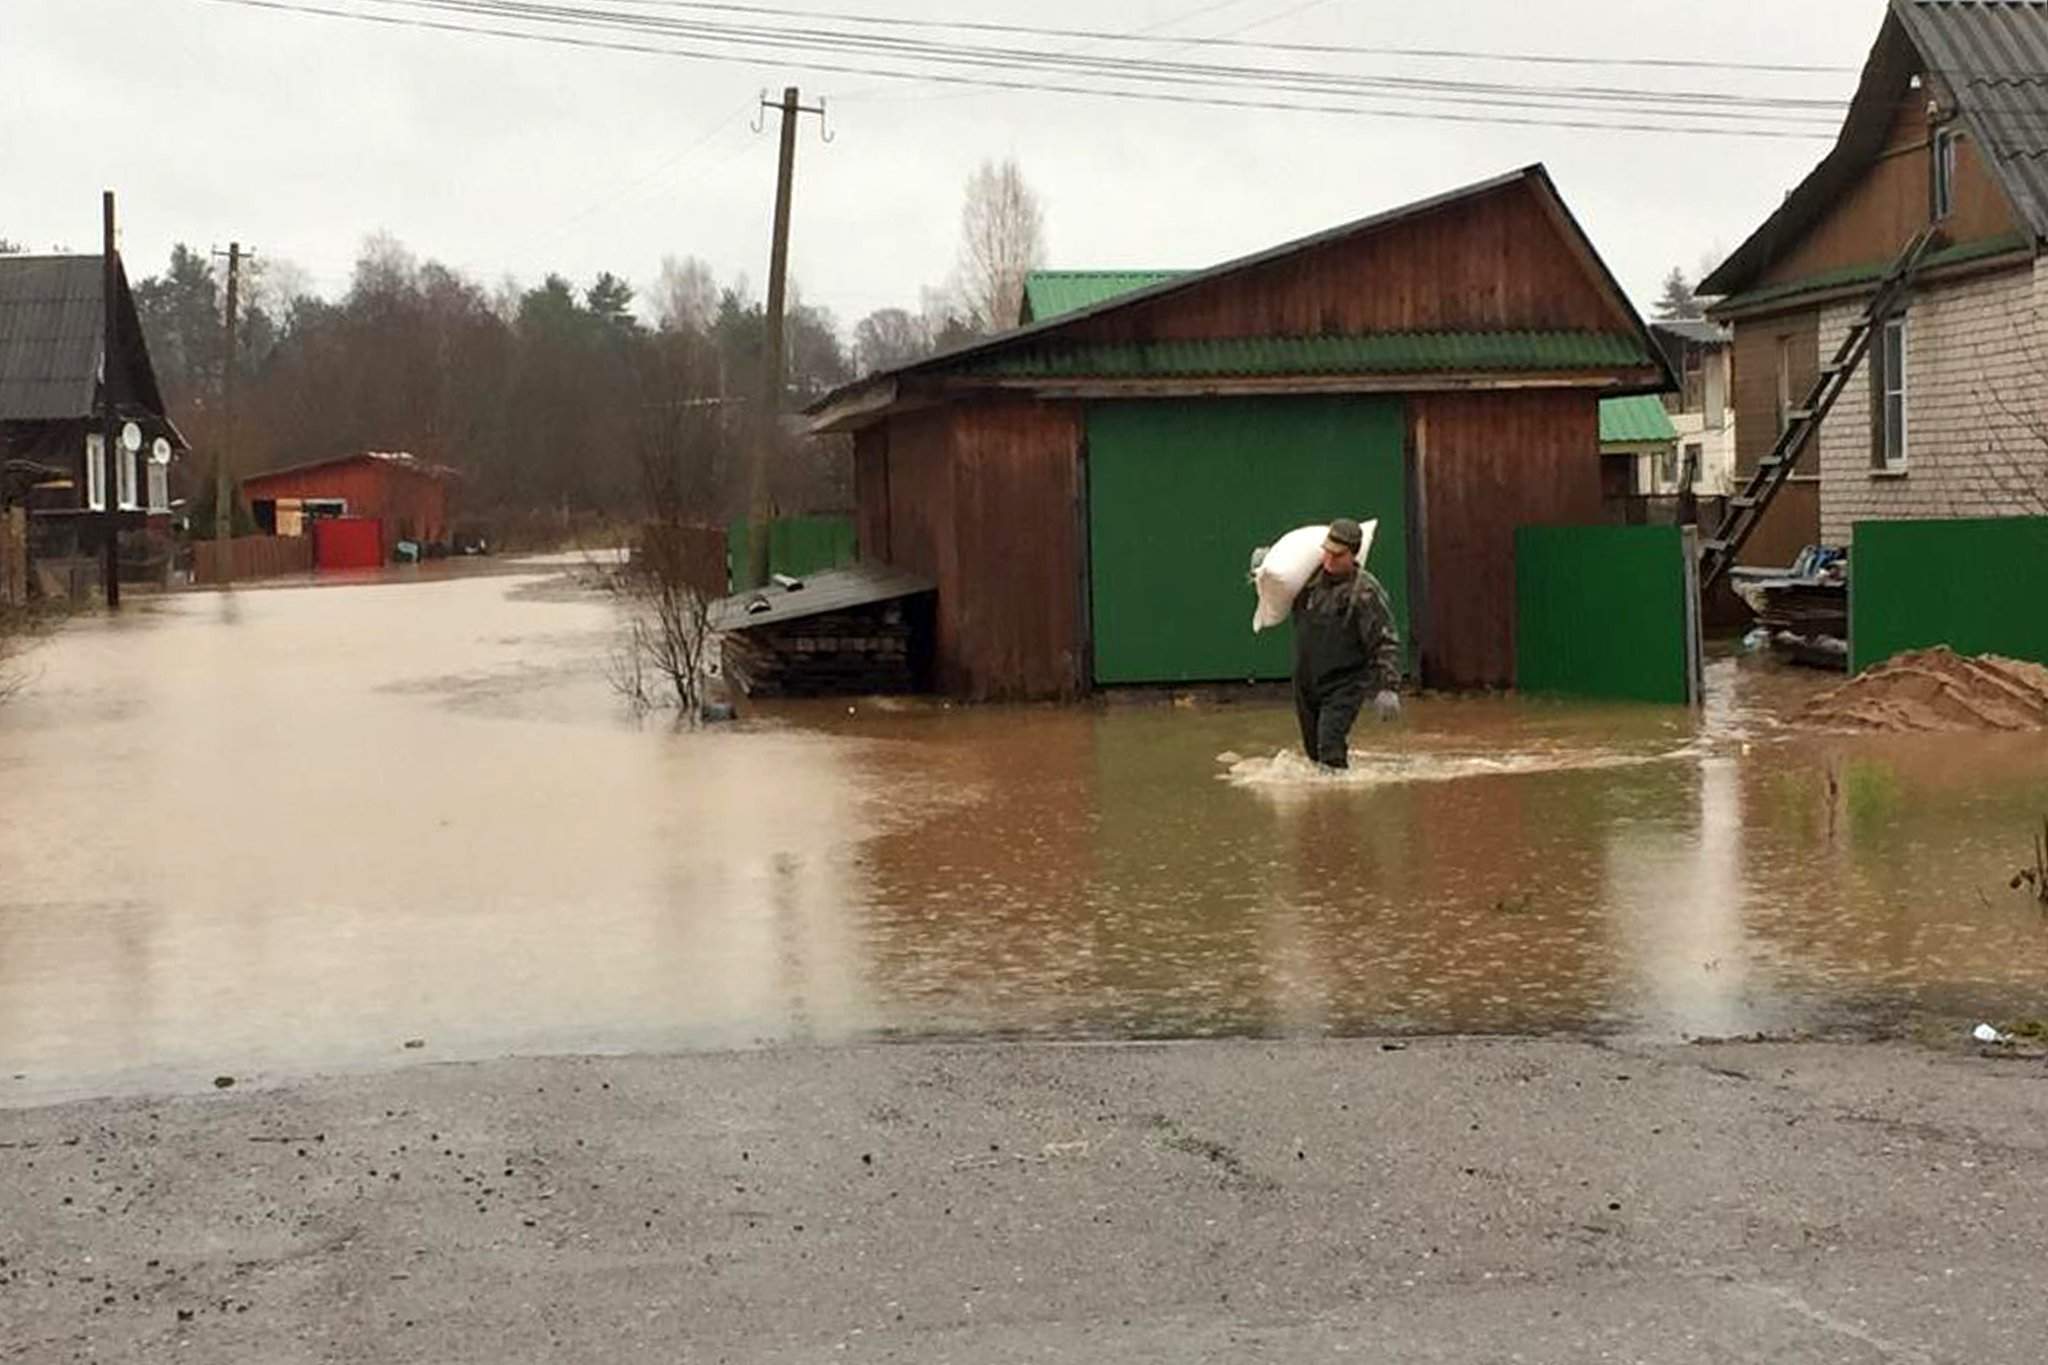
291	830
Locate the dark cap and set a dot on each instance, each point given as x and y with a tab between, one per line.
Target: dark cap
1345	534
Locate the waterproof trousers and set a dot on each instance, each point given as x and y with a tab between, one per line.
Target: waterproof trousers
1327	714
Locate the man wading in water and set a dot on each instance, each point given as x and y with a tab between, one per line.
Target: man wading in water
1346	648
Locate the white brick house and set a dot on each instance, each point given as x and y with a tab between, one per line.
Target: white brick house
1975	409
1949	128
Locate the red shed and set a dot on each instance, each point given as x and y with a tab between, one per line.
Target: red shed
408	498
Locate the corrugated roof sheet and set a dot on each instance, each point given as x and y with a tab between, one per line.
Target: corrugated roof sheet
1050	293
856	585
50	323
1870	272
1994	58
1635	421
1379	353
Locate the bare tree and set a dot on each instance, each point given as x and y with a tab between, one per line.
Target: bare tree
664	659
889	337
1002	239
685	296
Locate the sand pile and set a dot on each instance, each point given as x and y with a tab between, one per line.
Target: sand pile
1935	690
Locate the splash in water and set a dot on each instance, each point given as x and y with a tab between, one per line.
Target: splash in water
1290	770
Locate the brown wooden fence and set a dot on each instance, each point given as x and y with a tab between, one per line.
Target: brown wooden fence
253	557
13	556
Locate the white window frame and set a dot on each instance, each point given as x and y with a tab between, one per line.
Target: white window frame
124	472
96	472
1944	156
1894	375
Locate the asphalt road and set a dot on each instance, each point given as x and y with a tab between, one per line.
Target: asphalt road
1444	1200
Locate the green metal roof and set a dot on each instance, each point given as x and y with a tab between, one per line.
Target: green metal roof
1870	272
1049	293
1635	421
1375	353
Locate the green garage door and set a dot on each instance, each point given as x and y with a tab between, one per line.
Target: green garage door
1178	494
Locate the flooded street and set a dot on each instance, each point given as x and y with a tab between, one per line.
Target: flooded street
297	829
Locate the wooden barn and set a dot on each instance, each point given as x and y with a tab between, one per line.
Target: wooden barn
1085	490
407	498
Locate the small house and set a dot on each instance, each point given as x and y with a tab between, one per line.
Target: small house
1083	491
54	361
1945	415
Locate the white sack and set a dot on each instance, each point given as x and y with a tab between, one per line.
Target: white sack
1279	572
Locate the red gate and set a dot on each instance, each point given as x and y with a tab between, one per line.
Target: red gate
348	543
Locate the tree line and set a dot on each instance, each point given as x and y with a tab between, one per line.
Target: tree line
540	396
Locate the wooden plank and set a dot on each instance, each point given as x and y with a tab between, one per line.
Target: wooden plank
1493	262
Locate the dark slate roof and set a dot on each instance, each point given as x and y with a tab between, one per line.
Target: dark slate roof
51	318
1992	55
50	324
857	585
1994	59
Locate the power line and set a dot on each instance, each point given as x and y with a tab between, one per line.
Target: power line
586	16
300	7
1326	49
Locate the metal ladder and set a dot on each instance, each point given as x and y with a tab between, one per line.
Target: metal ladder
1746	509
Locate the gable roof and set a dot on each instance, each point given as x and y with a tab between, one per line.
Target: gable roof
1051	293
52	316
1644	350
1992	55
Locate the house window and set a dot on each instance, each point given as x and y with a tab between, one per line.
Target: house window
1888	386
1667	468
96	473
1944	172
124	470
1694	399
1689	476
159	488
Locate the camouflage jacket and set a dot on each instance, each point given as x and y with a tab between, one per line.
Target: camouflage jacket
1344	633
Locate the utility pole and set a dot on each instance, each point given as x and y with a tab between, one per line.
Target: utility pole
223	485
110	413
767	436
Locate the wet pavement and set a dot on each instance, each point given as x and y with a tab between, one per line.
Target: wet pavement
275	832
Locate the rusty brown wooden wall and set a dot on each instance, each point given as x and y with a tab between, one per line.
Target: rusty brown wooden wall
1793	518
1017	519
983	498
1495	262
1879	214
1488	463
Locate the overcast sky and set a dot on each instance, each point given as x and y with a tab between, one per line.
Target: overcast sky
300	134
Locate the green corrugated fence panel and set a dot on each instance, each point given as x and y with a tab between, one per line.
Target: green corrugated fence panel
1600	612
1180	492
1978	586
796	546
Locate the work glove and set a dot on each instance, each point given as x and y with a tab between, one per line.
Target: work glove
1387	705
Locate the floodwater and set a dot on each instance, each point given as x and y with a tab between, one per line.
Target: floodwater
289	830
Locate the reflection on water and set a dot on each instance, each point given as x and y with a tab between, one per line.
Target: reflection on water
289	830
